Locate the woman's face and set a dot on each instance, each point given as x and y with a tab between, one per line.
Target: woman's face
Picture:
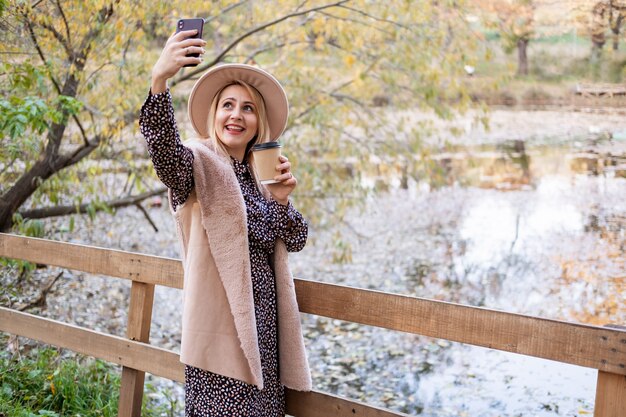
236	120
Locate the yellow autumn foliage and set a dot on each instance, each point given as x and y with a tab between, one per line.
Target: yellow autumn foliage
336	58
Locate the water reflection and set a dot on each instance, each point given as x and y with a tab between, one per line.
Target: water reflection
539	230
503	167
508	166
496	224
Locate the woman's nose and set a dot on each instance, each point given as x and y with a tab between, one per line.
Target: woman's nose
236	113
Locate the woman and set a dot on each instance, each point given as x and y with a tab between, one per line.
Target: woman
239	304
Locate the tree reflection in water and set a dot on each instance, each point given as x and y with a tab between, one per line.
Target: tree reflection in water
514	227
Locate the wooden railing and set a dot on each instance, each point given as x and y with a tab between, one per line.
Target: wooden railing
603	89
601	348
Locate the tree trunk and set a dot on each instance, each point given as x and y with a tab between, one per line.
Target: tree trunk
616	29
600	18
596	52
522	56
21	190
598	40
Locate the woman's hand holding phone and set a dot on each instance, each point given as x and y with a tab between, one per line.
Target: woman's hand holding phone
174	56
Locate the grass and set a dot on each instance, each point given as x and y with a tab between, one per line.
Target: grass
47	383
557	64
44	384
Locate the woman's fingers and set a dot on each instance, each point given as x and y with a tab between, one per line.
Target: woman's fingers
286	178
182	35
180	44
284	165
188	47
193	50
286	181
191	42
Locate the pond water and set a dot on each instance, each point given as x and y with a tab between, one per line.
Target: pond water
538	229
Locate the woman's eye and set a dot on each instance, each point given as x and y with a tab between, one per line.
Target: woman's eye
248	108
227	105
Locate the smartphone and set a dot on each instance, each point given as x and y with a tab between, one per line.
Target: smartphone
190	24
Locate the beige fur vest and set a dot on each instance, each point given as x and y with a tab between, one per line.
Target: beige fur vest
218	325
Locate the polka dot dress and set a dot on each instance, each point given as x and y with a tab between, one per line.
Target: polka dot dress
207	393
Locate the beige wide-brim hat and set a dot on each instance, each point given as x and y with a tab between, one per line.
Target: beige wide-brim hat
212	81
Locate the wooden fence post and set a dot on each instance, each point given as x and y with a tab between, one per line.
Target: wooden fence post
611	390
139	319
610	395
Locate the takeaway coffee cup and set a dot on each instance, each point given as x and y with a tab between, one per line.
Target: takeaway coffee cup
265	159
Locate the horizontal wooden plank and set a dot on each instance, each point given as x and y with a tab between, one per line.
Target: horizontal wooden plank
318	404
578	344
114	349
584	345
115	263
160	362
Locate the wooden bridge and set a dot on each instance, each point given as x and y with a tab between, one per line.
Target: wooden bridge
601	348
601	89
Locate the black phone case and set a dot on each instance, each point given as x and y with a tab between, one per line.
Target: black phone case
190	24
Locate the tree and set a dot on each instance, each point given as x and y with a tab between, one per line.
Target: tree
596	18
514	20
77	72
611	14
46	128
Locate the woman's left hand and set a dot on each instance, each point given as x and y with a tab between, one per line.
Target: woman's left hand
286	182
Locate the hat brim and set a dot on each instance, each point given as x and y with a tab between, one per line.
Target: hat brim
212	81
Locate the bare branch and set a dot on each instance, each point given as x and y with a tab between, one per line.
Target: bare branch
224	11
355	139
80	153
59	37
33	37
379	19
17	53
259	51
94	72
301	5
40	301
347	19
45	212
334	94
7	166
341	97
147	216
87	43
251	32
305	112
67	26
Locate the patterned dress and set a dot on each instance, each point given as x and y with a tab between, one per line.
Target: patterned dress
207	393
